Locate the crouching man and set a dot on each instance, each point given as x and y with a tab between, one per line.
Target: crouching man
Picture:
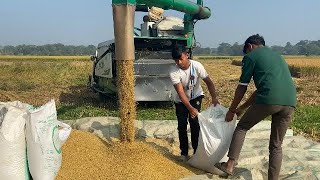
185	77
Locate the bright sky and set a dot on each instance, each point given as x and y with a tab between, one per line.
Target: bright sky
84	22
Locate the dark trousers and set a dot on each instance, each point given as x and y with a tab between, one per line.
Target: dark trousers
281	118
183	116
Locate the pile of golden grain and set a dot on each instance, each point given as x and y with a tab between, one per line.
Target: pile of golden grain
85	156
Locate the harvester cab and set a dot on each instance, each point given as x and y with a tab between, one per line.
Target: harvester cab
153	42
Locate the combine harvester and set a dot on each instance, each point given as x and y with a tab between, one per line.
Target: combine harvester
151	53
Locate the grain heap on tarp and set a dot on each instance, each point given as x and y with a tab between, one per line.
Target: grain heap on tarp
85	156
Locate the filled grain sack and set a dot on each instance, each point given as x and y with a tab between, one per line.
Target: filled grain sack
45	136
13	161
214	139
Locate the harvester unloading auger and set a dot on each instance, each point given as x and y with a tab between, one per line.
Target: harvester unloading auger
136	67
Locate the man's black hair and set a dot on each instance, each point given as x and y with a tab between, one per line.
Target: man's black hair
254	39
177	52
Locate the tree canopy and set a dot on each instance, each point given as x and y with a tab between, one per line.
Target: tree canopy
48	50
303	47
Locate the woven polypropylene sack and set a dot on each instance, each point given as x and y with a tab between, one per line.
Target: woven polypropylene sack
13	161
155	13
214	138
44	142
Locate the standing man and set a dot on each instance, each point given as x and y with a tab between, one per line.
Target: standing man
185	77
275	95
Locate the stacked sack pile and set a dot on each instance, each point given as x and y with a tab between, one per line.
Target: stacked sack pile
30	141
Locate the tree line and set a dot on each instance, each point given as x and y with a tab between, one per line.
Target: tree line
48	50
304	47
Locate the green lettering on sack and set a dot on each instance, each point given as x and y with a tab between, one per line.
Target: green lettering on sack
55	139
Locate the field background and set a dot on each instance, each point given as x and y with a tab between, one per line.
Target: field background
37	79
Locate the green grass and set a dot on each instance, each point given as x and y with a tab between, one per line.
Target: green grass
156	113
307	121
73	112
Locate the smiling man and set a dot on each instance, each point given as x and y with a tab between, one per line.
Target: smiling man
186	76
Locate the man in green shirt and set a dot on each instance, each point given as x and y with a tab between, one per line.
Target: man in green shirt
275	95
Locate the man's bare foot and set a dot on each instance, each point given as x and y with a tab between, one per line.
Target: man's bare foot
226	167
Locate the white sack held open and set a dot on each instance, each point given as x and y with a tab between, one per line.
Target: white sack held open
44	142
214	138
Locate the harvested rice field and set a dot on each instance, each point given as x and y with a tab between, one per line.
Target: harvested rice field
37	79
